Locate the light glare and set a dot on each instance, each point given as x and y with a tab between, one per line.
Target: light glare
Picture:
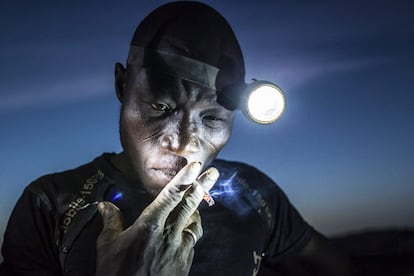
265	104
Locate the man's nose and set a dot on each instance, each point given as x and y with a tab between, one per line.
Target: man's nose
182	140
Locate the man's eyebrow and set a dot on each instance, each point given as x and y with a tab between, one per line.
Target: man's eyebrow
217	109
158	97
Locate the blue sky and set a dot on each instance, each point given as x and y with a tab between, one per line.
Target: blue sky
343	151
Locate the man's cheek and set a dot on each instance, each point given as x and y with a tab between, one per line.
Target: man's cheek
218	139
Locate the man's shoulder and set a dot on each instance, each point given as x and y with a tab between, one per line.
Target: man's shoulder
61	186
235	166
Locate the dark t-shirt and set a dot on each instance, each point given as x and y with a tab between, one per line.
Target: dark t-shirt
52	230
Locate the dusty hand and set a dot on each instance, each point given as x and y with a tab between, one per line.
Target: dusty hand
161	240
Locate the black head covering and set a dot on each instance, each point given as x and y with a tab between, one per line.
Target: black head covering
197	31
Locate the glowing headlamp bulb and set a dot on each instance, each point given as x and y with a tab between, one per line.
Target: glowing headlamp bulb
265	103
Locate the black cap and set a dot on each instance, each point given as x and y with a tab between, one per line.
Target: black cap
196	31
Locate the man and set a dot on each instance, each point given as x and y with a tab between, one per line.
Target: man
153	220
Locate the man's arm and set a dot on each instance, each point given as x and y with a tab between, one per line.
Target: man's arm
320	257
29	245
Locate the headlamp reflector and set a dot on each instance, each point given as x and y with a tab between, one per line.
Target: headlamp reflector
265	102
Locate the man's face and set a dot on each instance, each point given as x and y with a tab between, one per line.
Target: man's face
167	122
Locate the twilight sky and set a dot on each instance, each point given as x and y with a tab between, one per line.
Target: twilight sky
343	151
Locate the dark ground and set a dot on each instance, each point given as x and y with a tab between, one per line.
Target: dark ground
380	252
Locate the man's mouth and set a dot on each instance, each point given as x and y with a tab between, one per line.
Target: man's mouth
166	171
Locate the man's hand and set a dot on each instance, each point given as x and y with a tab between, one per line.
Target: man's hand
161	240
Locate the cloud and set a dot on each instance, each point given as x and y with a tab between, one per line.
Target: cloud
292	71
63	91
297	72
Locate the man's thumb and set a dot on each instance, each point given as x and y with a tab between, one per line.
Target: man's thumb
111	216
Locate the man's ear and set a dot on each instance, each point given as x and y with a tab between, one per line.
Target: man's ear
120	81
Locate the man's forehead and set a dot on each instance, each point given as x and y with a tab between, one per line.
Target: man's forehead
154	85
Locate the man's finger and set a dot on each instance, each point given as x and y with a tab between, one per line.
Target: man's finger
192	232
172	194
192	199
112	219
208	178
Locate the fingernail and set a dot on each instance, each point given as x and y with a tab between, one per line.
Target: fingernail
196	165
107	208
101	206
213	174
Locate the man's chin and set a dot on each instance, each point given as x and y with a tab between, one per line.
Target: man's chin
155	184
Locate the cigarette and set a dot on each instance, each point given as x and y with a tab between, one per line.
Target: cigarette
209	199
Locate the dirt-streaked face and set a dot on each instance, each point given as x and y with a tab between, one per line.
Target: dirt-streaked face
167	122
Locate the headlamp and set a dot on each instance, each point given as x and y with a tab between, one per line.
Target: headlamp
264	103
261	101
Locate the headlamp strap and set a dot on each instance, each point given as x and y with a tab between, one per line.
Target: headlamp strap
177	65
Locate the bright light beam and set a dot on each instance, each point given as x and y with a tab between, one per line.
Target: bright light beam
265	104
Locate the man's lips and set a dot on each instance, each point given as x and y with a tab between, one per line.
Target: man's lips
167	171
163	175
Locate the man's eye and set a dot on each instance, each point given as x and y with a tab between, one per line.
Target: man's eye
213	121
213	118
160	107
